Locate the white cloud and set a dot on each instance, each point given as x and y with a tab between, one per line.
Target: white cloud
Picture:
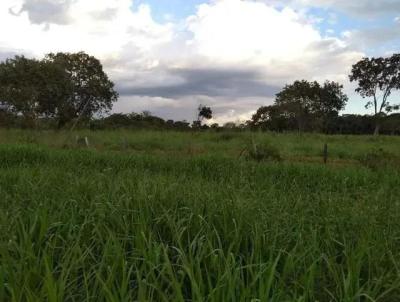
277	43
233	31
102	29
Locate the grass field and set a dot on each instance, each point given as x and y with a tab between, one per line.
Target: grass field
165	216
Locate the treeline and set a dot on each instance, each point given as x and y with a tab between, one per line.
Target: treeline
341	124
67	90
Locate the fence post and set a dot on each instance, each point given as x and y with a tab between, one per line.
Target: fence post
325	154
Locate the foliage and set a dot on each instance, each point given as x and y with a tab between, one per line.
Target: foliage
204	113
377	78
262	152
90	90
312	98
28	85
62	85
227	136
302	105
378	158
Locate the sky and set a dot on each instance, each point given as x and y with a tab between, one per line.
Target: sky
169	56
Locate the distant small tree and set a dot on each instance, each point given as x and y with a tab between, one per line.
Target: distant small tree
204	112
376	79
215	126
229	125
196	124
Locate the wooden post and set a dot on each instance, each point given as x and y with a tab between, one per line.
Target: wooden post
325	154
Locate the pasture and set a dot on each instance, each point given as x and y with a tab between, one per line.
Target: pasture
185	216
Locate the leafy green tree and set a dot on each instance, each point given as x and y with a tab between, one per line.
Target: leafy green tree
273	118
64	86
89	89
310	103
376	79
21	84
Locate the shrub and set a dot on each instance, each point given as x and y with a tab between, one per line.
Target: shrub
378	158
227	136
261	152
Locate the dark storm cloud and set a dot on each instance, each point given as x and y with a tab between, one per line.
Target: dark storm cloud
208	82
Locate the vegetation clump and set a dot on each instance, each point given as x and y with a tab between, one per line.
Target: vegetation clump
262	152
378	158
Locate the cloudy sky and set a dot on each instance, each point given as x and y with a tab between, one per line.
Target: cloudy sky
168	56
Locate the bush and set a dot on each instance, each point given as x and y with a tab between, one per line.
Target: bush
227	136
378	159
262	152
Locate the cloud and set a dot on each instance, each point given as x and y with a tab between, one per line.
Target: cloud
375	37
233	31
357	7
365	7
102	29
47	11
6	53
211	82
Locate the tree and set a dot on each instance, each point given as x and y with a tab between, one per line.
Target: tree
64	86
273	118
21	84
89	89
376	79
214	126
311	104
204	113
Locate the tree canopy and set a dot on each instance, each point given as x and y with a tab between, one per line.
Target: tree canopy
204	113
303	105
377	78
90	90
62	85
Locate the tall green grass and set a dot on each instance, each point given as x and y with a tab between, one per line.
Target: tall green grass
111	224
294	146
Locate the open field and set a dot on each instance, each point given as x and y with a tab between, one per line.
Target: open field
168	216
